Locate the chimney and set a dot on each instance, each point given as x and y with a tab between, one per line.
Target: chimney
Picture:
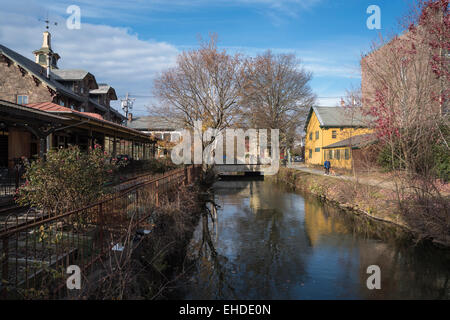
46	40
130	117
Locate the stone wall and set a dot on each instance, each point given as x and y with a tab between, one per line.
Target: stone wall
14	82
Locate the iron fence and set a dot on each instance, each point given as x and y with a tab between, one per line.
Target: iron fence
36	249
10	180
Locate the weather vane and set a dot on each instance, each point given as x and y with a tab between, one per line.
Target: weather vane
48	23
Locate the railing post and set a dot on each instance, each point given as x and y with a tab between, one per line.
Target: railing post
137	208
17	177
5	275
100	222
157	193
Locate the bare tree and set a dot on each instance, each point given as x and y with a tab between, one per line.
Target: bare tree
204	85
276	94
403	93
405	89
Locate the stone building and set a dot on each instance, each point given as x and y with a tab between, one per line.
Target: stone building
78	109
24	81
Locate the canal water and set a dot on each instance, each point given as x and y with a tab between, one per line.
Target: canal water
267	242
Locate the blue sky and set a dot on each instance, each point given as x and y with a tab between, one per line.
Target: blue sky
128	43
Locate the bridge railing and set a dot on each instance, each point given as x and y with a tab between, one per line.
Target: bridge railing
36	249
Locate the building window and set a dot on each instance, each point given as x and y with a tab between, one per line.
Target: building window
317	135
347	154
310	153
22	99
334	134
330	154
42	59
317	150
310	136
166	136
338	154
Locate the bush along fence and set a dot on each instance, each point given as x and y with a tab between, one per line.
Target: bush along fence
35	252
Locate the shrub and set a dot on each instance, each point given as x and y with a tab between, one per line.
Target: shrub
66	180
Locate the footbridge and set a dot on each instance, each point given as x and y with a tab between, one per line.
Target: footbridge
243	169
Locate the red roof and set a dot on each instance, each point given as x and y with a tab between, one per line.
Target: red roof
53	107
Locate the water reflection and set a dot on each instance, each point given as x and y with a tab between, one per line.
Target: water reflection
268	243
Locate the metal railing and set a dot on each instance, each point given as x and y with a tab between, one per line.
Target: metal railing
35	250
10	180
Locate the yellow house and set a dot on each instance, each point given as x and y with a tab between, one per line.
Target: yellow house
326	126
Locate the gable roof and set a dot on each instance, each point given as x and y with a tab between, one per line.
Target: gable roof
70	74
336	117
37	71
152	123
104	88
355	142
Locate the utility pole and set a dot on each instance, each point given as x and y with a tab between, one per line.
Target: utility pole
127	104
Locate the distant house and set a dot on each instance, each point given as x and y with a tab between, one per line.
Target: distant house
167	131
331	133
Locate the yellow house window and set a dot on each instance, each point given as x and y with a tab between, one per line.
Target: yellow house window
330	154
310	136
347	154
317	135
317	150
338	154
334	134
310	153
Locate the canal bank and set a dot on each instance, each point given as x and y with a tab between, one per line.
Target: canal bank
363	199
